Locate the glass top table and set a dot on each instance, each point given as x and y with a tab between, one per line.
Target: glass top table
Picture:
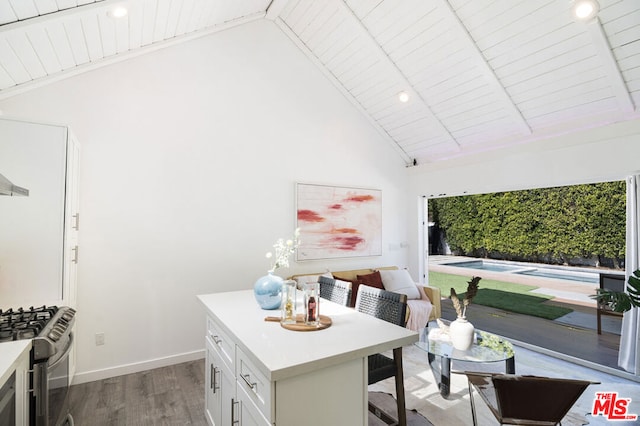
486	348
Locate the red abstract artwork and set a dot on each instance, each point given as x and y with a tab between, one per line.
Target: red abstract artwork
338	221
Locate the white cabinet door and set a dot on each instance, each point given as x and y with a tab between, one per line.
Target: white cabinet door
226	382
248	412
220	387
72	228
212	399
72	222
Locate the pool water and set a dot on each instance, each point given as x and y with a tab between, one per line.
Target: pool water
583	278
524	269
485	266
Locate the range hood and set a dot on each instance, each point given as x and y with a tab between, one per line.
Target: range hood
7	188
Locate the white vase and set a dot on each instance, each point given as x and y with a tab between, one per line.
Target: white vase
461	332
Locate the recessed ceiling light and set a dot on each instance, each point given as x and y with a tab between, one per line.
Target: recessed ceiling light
585	10
118	12
403	97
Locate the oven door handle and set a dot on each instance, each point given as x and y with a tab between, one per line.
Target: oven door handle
41	397
65	353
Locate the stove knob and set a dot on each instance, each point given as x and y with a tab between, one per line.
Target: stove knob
68	316
54	335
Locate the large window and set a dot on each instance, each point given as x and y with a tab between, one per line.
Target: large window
540	253
580	224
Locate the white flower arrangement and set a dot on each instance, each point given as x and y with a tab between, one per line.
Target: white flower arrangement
284	249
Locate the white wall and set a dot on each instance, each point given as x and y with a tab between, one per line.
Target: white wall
587	156
189	159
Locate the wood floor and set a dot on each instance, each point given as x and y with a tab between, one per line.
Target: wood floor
171	395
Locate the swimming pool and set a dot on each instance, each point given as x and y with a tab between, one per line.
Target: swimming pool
580	277
485	266
551	272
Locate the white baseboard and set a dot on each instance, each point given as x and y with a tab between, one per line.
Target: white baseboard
90	376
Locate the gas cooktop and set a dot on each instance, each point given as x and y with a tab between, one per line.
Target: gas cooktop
23	323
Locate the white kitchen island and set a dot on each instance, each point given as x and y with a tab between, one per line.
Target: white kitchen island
261	373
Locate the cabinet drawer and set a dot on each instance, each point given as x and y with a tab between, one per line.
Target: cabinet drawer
222	343
254	383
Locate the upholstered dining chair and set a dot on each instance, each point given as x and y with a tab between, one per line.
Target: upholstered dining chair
336	291
525	400
390	307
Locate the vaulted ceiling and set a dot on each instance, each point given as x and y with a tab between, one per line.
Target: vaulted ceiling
479	74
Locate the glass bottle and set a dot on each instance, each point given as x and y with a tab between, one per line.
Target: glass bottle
288	305
311	304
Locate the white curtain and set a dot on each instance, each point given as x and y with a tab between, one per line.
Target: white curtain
629	355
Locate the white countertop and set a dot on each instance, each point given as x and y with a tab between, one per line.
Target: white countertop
282	353
10	353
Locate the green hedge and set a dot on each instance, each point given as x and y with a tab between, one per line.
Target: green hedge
551	225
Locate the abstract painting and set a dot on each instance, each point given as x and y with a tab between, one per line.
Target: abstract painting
338	221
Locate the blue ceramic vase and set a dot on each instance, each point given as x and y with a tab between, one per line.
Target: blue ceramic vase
268	291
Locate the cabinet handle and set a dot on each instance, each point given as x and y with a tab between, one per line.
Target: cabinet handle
216	340
215	380
75	254
212	377
247	380
76	225
233	412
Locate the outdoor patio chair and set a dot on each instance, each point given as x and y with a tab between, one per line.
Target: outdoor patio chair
525	400
338	292
391	307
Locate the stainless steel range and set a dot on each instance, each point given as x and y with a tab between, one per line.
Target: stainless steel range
49	327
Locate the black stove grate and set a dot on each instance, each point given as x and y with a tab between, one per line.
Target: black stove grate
24	323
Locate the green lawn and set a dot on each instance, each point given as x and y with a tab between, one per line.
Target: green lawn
501	295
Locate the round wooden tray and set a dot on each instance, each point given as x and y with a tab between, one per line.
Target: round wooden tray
325	322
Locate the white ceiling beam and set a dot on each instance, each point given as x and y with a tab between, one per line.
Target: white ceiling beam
275	8
601	42
24	8
61	15
384	57
64	74
458	28
332	78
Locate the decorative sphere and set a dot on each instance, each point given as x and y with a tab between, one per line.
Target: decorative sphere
268	291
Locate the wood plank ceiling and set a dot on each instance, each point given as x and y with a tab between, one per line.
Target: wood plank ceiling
479	74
